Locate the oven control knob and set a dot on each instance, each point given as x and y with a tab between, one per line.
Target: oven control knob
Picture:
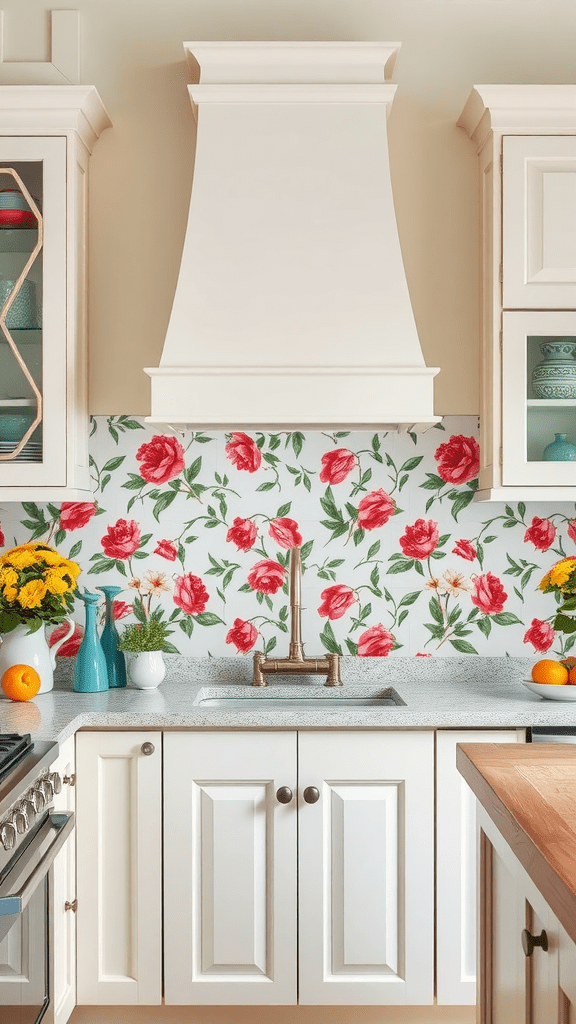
28	810
37	798
8	835
20	820
55	781
47	789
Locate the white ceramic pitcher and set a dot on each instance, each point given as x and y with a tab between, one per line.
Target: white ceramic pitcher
20	647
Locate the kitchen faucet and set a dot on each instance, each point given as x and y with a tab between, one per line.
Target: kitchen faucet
296	663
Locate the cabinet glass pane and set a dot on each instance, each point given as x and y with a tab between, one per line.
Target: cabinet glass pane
21	286
551	398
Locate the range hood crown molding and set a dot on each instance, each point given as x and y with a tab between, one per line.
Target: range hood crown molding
292	307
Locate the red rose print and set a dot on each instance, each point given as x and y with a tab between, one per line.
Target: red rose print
376	642
243	452
420	540
242	533
162	459
540	635
75	514
121	609
190	594
541	533
458	459
572	530
489	594
2	538
166	549
375	510
72	646
336	601
267	576
286	533
465	549
122	539
336	465
243	635
422	654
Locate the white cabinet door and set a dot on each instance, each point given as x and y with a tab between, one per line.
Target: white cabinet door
229	868
63	921
366	874
119	844
539	222
456	867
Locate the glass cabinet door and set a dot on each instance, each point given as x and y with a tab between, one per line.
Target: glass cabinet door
539	398
32	311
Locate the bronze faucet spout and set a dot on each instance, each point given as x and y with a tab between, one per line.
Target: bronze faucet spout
296	663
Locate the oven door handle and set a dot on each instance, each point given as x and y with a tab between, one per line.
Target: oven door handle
61	826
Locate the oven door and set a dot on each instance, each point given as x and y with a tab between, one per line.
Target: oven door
24	923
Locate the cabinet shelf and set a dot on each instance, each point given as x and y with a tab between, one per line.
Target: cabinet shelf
551	403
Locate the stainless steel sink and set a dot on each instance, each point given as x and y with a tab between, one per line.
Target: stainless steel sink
279	701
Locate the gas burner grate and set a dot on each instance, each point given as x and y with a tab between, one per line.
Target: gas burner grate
12	749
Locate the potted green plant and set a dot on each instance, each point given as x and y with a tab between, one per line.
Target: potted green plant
145	641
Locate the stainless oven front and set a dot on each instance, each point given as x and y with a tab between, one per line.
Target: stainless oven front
24	921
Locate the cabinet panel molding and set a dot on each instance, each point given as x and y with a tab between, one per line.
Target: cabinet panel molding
119	887
366	854
229	868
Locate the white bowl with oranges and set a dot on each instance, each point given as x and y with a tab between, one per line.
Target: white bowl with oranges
553	680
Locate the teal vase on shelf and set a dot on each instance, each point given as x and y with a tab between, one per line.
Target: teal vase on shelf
559	450
90	672
115	659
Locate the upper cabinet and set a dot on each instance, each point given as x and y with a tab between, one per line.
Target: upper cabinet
526	140
46	137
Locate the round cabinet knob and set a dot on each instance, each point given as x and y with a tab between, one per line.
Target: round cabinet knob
284	795
529	942
147	749
8	835
311	794
55	781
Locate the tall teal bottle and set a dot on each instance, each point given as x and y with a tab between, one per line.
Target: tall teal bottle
90	673
115	659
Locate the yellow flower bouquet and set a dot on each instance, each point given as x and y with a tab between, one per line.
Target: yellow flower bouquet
561	580
37	585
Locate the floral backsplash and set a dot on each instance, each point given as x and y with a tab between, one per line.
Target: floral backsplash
396	556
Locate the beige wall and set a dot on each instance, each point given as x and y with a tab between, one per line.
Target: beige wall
141	168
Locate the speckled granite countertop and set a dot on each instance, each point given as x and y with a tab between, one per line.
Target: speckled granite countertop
438	693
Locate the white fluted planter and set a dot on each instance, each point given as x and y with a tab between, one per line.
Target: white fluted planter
147	669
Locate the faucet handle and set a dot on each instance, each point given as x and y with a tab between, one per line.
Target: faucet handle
333	677
258	677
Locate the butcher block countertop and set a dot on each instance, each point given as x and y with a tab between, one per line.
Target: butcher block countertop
529	792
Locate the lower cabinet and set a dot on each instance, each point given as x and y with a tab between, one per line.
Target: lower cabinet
119	850
298	867
354	811
456	866
520	983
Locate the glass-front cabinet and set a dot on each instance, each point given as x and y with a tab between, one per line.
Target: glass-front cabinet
43	359
539	399
526	140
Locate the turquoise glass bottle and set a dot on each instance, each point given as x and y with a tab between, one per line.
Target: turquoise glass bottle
115	659
90	672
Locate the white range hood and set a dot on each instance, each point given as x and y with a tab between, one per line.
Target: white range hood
292	307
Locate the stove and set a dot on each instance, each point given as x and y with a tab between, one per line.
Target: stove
31	835
12	749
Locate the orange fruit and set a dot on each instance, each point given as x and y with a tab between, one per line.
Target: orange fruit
20	682
549	671
572	676
569	662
